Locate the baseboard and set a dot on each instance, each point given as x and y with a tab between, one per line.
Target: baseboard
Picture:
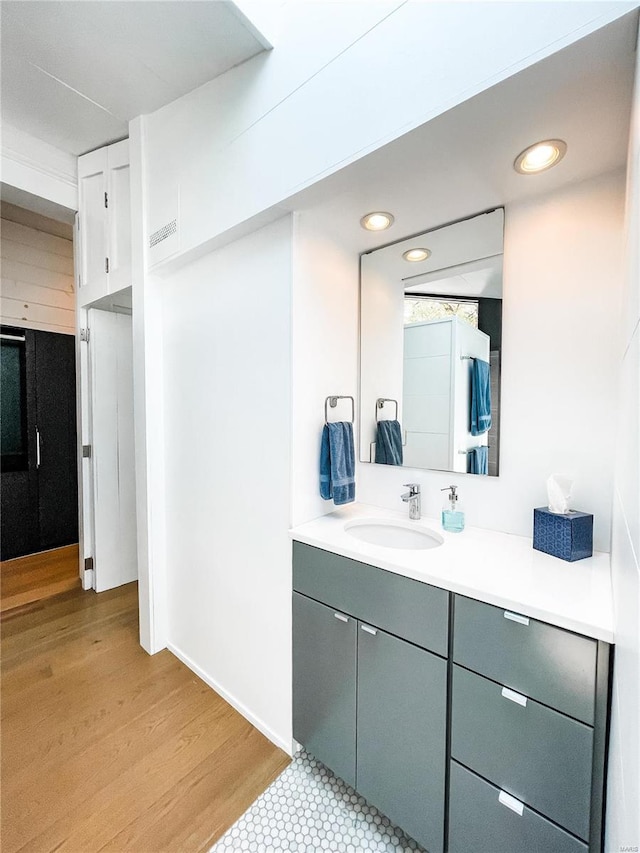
240	707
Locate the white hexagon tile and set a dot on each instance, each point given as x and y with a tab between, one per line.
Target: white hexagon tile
307	810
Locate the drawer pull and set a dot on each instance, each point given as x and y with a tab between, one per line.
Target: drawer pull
511	802
341	617
516	617
518	698
369	629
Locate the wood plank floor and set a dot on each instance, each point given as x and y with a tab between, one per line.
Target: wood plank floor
38	576
107	748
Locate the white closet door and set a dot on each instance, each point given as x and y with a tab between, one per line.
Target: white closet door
119	217
111	355
92	181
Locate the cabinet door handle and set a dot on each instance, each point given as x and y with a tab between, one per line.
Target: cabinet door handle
341	617
37	447
369	629
511	802
518	698
516	617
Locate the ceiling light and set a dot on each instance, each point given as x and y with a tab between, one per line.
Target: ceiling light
377	221
414	255
539	157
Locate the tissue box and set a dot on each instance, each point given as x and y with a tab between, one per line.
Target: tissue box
568	536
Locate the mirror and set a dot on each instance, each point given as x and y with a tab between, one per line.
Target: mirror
430	348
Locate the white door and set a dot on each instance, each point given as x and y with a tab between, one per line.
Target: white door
119	216
111	371
92	224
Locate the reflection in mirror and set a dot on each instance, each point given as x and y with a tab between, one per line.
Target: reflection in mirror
430	349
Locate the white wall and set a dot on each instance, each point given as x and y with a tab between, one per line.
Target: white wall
560	368
623	823
38	289
227	414
260	133
325	350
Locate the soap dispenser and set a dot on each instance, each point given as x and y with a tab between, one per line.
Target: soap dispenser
452	515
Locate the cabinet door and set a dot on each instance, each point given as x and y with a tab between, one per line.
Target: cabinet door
119	216
324	684
401	733
92	188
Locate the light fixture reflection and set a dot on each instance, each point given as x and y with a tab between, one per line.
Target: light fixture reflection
378	220
540	157
414	255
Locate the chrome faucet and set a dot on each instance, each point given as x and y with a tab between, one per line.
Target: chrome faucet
412	497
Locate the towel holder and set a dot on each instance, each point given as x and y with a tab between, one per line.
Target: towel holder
380	405
468	358
333	402
471	449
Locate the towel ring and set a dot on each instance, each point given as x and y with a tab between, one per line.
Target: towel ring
380	404
333	402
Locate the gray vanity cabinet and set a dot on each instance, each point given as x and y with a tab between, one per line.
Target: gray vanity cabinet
324	699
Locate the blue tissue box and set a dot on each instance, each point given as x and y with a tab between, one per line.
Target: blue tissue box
568	536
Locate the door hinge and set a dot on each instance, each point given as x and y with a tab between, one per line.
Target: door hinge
79	281
106	200
106	264
88	564
84	335
86	451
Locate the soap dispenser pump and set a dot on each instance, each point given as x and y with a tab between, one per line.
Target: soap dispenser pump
452	515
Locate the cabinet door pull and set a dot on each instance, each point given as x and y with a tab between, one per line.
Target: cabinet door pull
511	802
37	447
518	698
341	617
516	617
369	629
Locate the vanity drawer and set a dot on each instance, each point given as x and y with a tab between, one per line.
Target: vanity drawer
409	609
479	821
547	663
534	753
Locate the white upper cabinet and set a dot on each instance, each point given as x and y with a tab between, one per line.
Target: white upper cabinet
104	222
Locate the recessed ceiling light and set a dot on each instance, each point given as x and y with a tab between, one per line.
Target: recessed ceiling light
377	221
539	157
414	255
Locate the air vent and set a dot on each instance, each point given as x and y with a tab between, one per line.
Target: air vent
162	233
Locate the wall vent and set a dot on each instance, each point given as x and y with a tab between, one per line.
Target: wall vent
162	233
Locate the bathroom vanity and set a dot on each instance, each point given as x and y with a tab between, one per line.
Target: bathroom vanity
431	687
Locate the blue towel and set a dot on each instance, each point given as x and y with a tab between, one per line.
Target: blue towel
389	443
479	460
337	463
480	397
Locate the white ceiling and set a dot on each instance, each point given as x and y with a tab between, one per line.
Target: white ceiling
461	163
75	72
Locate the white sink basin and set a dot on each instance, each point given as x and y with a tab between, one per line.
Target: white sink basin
393	534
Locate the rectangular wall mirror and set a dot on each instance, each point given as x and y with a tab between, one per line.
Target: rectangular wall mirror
430	348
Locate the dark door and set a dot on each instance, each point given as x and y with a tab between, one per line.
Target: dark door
38	479
55	373
18	476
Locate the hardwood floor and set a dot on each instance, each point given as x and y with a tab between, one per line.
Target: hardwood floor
107	748
38	576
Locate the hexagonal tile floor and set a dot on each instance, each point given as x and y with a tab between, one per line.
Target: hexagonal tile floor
307	810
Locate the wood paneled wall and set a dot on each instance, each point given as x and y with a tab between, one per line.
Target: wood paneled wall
38	289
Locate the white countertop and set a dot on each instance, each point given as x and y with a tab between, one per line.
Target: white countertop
498	568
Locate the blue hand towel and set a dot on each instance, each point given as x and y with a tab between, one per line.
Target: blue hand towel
480	397
389	443
479	460
337	463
